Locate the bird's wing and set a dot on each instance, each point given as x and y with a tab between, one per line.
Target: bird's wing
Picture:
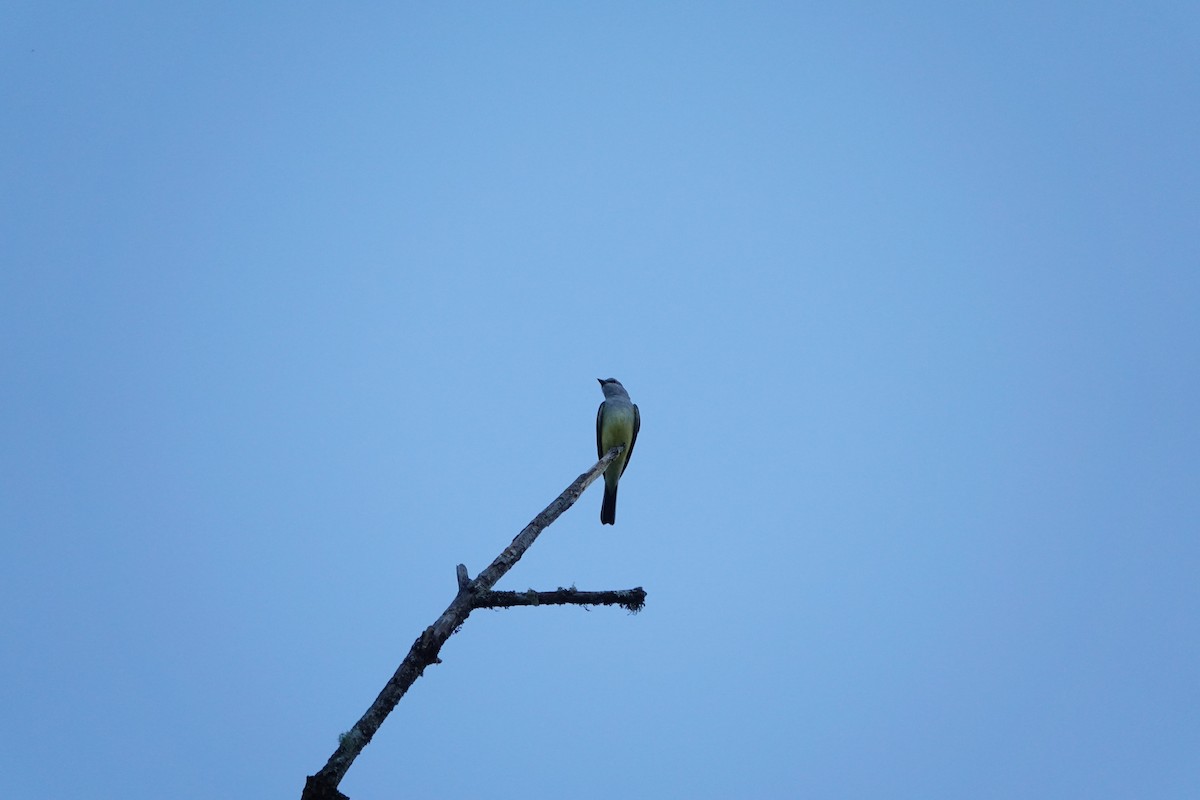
637	426
599	416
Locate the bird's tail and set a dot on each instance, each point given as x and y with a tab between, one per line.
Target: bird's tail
608	508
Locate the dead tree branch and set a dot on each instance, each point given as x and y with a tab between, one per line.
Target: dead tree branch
472	594
631	599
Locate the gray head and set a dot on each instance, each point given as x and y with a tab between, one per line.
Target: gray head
612	388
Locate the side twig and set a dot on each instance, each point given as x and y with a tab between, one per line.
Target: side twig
424	651
631	599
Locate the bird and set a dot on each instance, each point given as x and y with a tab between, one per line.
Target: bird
617	423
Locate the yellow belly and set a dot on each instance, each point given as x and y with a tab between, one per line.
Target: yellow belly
616	428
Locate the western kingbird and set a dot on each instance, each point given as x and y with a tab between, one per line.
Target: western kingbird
617	422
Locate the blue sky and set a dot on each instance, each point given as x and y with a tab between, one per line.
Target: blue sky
303	305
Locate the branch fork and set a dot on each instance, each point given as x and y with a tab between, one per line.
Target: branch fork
473	593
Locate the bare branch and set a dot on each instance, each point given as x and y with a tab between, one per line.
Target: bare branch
425	650
632	599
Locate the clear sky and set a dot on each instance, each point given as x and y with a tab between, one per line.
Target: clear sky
303	304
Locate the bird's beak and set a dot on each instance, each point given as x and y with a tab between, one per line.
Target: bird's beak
601	380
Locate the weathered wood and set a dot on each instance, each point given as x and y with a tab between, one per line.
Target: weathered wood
631	599
424	651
